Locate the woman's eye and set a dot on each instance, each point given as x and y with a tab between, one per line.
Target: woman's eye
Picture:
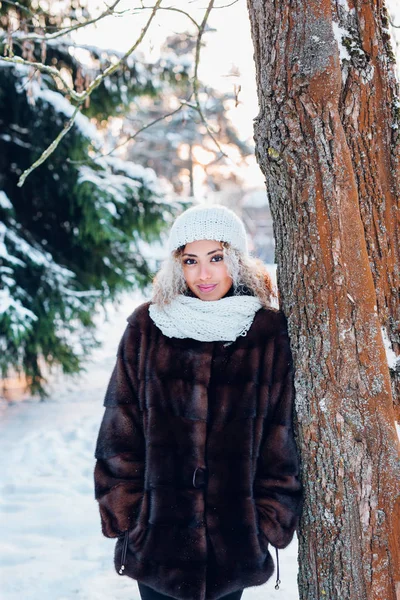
192	261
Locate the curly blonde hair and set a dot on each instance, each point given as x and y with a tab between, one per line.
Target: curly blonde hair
249	276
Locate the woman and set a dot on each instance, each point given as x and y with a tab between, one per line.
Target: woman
197	470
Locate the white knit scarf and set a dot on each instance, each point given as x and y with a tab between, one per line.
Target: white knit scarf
206	320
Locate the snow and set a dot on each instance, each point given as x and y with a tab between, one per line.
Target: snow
115	186
62	105
13	297
18	315
59	103
35	255
15	140
18	128
345	7
82	294
3	250
52	545
391	357
134	171
21	314
118	178
5	201
339	33
367	73
61	274
322	404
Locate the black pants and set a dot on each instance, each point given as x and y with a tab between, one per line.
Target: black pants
147	593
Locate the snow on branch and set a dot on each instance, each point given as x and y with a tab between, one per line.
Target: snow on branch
15	251
79	97
116	180
61	104
47	37
184	103
5	202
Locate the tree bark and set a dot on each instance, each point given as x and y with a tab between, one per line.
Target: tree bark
369	108
327	142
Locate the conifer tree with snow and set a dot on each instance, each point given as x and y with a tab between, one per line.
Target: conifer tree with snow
70	237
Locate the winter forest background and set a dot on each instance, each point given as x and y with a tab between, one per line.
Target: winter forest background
81	238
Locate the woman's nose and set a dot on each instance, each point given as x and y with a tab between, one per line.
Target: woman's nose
204	272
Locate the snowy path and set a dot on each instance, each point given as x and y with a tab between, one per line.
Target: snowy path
52	546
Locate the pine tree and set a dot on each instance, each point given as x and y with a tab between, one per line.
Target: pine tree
70	238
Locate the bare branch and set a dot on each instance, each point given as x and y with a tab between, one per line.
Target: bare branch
61	31
112	68
82	97
172	8
392	23
49	150
227	5
196	106
133	136
196	79
55	73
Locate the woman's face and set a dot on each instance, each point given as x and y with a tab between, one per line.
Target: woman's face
205	270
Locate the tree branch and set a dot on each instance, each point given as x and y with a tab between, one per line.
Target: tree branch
226	5
62	31
133	136
196	79
50	148
55	73
172	8
82	96
112	68
392	23
195	83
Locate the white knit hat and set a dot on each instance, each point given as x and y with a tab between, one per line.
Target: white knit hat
208	222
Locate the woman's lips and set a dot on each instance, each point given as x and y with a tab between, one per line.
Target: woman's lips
205	289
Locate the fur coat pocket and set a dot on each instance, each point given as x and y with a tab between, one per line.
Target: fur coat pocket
128	543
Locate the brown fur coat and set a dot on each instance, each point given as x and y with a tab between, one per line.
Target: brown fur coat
196	459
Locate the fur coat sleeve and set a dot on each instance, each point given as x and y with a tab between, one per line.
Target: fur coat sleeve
277	489
120	449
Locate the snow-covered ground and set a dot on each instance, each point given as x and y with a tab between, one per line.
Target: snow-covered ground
52	547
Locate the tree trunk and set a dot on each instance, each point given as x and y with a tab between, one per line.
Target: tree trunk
369	109
327	142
